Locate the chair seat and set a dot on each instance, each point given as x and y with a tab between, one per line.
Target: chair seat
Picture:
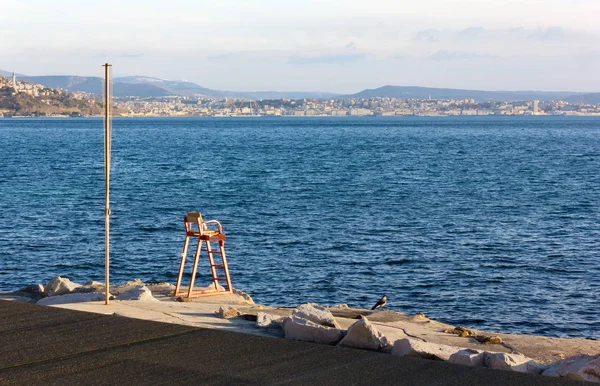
196	233
213	237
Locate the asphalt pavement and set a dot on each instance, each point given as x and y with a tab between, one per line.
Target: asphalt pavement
46	345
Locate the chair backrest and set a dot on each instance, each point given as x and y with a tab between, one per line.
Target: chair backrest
192	218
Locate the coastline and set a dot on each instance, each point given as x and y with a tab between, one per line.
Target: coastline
588	115
238	313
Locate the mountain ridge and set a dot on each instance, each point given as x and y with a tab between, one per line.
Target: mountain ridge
146	86
417	92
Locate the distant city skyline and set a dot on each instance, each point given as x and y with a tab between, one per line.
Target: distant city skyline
314	45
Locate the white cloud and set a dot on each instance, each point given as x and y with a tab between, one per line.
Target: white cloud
450	55
313	44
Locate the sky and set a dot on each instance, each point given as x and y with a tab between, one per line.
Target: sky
341	46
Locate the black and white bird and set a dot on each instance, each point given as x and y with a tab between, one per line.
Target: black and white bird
380	303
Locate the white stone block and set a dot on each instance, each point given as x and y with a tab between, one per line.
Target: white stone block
580	367
119	289
420	349
141	293
363	335
297	328
265	320
227	312
515	362
90	286
244	295
316	314
468	357
59	286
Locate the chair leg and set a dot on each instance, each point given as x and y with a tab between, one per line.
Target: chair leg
196	258
182	265
225	266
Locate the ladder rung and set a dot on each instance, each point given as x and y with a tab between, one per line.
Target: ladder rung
217	266
217	252
220	279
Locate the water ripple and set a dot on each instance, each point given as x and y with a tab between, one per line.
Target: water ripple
492	223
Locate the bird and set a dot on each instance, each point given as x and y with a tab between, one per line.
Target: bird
380	303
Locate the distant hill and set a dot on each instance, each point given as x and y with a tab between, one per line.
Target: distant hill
185	88
592	98
172	87
94	85
450	93
56	102
145	86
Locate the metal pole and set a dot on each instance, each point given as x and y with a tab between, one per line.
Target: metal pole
107	150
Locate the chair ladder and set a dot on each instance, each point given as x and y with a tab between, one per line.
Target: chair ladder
223	266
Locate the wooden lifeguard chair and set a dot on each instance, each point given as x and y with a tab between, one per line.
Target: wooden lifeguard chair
195	227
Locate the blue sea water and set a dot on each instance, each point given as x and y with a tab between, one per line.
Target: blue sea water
487	222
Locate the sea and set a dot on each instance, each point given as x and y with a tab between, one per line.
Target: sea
487	222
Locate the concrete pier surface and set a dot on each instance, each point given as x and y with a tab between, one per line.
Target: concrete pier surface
47	345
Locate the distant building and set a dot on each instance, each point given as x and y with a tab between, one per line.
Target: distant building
360	112
14	81
536	106
339	113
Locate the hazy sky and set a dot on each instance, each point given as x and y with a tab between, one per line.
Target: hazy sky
312	45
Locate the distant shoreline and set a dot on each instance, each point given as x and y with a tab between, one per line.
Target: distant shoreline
310	116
